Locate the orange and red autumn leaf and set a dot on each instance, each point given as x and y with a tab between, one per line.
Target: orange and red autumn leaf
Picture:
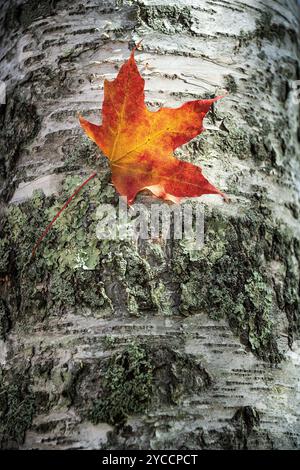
139	143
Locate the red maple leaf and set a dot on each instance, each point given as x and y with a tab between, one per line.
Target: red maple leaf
139	143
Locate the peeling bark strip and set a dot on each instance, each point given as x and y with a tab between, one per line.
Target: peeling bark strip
206	343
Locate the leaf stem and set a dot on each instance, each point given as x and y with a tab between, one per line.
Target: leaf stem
77	190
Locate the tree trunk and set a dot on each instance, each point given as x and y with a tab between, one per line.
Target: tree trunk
117	344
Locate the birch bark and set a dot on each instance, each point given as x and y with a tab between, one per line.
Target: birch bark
117	345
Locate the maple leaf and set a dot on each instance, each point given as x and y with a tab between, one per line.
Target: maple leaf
139	143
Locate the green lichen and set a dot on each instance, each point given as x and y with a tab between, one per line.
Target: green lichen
167	19
126	386
109	341
4	320
19	123
132	305
74	232
254	313
61	290
230	83
229	278
176	374
4	255
133	275
81	152
161	298
95	296
235	139
16	411
260	295
46	282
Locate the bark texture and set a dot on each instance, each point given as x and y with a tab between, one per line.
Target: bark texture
109	344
